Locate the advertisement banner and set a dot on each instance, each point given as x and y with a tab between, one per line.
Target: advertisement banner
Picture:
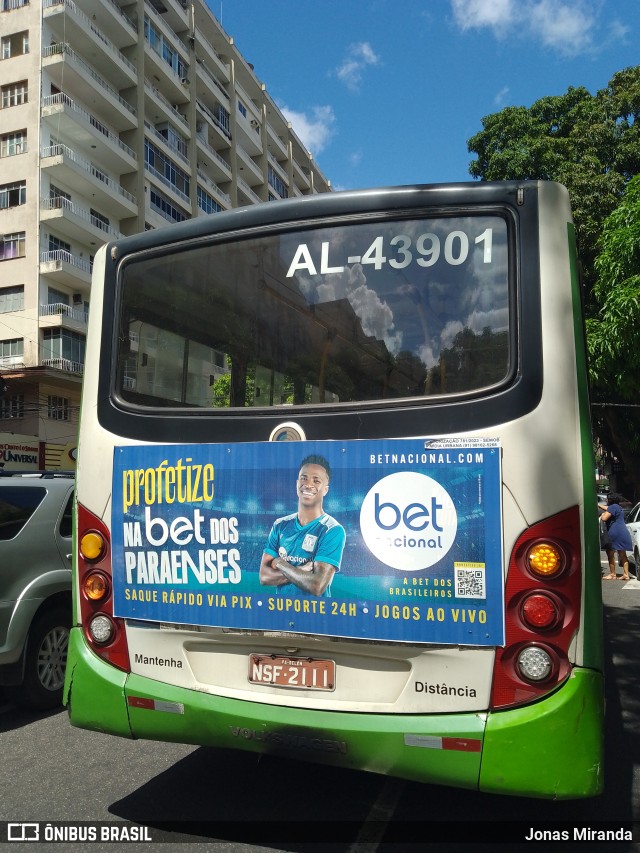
19	452
396	540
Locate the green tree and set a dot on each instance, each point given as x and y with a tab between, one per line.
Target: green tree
612	336
589	143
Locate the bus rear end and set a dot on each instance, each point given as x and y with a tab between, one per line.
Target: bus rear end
335	489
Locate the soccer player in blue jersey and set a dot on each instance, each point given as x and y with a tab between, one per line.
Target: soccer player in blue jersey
304	549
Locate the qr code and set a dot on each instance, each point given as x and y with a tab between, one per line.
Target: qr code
470	583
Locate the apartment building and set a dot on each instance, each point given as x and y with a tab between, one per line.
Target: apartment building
115	116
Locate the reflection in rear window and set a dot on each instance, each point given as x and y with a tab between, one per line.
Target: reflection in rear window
16	508
373	311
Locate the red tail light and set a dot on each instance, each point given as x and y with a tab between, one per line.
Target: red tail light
105	633
542	610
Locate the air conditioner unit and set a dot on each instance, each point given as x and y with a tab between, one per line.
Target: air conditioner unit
77	299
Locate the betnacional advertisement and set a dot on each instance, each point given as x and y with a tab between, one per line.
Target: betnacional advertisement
396	540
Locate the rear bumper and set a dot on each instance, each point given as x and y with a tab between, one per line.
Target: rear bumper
550	749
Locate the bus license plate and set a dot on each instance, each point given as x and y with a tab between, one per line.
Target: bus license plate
300	673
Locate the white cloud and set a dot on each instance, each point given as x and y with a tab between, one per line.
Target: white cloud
474	14
564	26
375	315
501	97
359	56
567	26
315	128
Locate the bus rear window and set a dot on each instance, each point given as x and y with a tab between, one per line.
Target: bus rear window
358	312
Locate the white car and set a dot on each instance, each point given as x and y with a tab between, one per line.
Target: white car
633	526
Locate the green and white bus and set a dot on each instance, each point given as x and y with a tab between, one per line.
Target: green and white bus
335	494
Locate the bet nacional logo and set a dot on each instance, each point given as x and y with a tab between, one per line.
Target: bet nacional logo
408	521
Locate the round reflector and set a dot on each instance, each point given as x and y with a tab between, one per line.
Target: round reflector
535	664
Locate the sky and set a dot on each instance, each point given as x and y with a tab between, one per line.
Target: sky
387	92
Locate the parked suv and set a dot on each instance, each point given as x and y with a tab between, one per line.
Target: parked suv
35	585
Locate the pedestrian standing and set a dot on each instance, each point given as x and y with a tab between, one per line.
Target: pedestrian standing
619	536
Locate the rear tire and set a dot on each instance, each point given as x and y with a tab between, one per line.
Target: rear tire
45	662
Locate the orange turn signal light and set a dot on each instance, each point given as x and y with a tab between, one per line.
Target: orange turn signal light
92	546
545	559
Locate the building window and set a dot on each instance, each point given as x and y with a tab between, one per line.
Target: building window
174	138
166	168
277	183
11	351
12	299
9	5
13	195
163	206
57	408
99	220
12	246
57	297
164	49
13	143
206	203
60	197
64	344
12	407
17	44
14	94
242	109
222	119
58	245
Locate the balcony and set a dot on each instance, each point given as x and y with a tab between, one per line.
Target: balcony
276	146
249	137
70	72
159	102
83	177
66	268
172	13
170	148
215	164
279	169
214	59
80	126
59	314
11	362
251	171
223	198
204	75
76	222
167	185
220	132
70	23
245	189
64	364
301	176
173	86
